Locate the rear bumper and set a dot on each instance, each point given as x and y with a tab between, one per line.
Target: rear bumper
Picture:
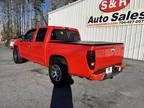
102	75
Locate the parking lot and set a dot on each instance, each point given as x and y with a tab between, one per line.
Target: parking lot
28	86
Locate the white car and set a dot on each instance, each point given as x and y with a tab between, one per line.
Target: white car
12	42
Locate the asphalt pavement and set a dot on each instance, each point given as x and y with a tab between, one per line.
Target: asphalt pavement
28	86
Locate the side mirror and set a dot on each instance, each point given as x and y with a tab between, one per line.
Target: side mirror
22	37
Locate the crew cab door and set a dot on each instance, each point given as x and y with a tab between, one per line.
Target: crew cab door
25	44
38	46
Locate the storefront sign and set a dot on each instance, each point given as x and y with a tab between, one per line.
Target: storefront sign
113	5
112	15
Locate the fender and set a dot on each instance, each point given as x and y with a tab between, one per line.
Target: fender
59	57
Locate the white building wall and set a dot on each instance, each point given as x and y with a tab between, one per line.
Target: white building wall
77	14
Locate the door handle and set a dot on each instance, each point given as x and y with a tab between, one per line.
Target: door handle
29	46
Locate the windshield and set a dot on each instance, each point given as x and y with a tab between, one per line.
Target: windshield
65	35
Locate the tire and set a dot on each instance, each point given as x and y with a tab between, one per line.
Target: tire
17	58
58	73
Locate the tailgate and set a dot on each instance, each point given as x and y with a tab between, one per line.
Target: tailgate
109	55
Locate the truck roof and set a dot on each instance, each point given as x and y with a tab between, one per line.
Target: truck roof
57	27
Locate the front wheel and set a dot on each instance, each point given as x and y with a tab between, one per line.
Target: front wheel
17	58
58	73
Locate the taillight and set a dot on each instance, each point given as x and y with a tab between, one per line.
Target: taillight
91	59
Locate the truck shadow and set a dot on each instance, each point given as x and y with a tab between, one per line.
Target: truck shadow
62	97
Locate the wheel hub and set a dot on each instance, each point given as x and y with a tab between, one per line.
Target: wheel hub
56	73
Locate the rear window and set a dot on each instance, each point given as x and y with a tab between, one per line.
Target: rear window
66	35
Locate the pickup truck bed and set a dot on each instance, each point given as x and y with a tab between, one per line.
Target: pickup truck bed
88	43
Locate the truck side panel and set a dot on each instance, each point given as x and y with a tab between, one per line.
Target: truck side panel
75	56
77	61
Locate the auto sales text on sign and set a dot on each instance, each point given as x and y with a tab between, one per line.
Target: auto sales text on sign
118	18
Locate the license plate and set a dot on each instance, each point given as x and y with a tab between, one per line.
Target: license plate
109	70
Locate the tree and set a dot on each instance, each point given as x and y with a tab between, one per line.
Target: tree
38	8
17	16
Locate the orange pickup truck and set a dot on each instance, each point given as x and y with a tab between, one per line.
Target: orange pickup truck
62	51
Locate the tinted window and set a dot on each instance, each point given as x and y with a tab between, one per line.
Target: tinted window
29	35
41	35
67	35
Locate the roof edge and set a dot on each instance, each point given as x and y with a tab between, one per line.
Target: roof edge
68	5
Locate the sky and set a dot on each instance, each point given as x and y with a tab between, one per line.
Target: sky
46	6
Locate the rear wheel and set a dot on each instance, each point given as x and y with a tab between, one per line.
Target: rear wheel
17	58
58	73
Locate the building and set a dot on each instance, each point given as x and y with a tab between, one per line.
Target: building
106	20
